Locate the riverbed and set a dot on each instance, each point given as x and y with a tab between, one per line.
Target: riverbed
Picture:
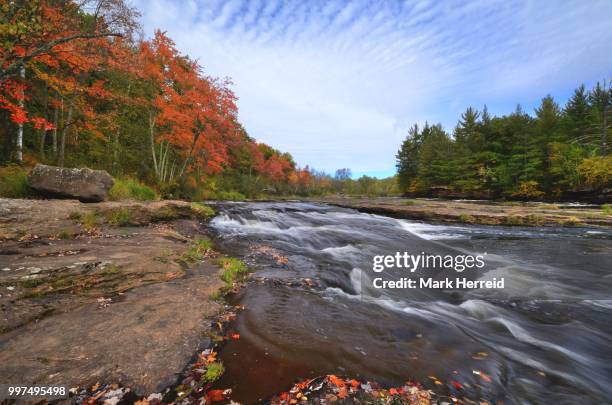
545	338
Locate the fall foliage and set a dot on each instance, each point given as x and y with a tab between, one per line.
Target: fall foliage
77	89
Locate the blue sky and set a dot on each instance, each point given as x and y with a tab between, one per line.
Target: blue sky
338	83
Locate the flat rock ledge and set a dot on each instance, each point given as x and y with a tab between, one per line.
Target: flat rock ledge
84	300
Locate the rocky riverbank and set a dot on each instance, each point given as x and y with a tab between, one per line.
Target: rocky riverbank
117	291
478	211
116	298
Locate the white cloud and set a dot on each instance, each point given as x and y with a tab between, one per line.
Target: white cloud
338	83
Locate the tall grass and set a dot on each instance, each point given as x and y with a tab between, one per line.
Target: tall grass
199	249
131	189
14	182
232	269
231	196
202	211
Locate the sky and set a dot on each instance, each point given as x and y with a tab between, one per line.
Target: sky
338	83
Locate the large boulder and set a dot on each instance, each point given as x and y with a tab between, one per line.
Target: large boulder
83	184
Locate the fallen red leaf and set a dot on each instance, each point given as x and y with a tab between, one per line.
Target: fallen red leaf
215	396
457	385
235	336
338	382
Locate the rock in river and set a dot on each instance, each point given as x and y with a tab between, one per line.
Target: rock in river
84	184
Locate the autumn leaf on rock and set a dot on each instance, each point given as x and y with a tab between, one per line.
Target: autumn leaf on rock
215	396
338	382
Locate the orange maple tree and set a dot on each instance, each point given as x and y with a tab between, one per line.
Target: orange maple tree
74	79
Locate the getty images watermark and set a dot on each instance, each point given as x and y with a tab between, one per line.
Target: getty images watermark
413	263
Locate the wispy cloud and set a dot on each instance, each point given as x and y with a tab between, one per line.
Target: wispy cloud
337	83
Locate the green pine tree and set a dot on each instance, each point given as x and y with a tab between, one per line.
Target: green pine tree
407	158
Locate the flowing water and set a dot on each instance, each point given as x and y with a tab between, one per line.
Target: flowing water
546	338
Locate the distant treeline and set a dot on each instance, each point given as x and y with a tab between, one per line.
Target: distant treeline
558	152
321	183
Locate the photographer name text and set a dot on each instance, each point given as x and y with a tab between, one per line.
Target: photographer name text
446	284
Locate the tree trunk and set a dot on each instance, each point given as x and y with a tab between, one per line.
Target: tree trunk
55	124
160	162
172	172
43	139
193	144
152	141
43	130
67	124
20	127
604	131
165	168
115	152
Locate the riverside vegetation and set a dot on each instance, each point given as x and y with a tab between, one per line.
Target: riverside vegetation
79	89
558	153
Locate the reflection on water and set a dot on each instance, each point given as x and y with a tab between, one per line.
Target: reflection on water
554	351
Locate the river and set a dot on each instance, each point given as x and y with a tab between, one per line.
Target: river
545	338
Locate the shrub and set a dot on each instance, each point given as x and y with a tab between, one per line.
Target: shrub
607	209
14	182
119	217
89	220
466	218
528	189
202	211
597	171
233	269
130	189
231	195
